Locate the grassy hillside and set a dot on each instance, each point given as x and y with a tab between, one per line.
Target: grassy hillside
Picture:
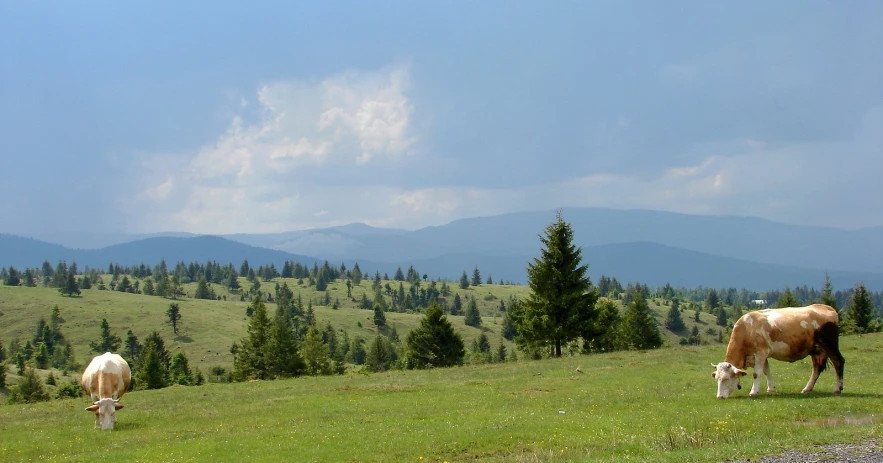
208	328
639	406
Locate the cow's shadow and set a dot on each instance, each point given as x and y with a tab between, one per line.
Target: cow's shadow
808	396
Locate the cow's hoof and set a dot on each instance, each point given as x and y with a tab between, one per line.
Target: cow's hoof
838	391
771	390
752	394
805	391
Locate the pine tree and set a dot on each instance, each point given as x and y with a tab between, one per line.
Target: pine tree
435	343
253	358
712	301
30	389
107	342
378	356
561	304
639	329
286	361
457	305
609	339
315	353
202	290
721	317
379	316
509	332
464	280
179	370
356	274
787	299
828	294
69	285
174	315
501	352
133	348
674	322
861	312
472	317
154	371
476	277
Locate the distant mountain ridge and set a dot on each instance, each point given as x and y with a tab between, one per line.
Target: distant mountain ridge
648	246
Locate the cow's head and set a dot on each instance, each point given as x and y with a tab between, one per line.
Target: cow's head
105	412
727	377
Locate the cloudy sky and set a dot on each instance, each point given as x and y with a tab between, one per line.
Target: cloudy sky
226	117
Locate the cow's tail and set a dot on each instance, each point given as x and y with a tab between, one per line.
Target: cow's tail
828	338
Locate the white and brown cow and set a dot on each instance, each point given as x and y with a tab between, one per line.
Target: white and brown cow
105	380
788	334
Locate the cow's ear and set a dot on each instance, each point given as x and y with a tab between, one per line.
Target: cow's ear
117	406
740	372
92	408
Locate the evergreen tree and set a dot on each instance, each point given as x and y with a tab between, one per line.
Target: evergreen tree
561	305
379	316
501	352
356	274
30	278
721	317
315	353
472	317
399	276
861	312
154	371
179	370
828	294
464	280
2	375
435	343
378	356
13	278
674	322
253	358
133	348
609	339
174	315
69	285
30	389
107	342
639	330
509	332
787	299
476	277
283	349
712	301
457	305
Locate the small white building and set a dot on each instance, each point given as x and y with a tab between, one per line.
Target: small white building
759	301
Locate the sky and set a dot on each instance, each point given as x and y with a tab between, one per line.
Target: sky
255	117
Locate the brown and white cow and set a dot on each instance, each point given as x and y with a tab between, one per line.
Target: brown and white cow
788	334
105	380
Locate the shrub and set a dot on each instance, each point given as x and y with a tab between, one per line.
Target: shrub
29	390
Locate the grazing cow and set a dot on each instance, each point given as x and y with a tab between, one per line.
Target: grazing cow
788	334
105	380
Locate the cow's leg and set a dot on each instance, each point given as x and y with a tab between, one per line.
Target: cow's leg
770	385
829	338
759	361
818	362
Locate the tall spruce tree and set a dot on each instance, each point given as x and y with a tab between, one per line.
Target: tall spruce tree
476	277
464	280
639	329
862	310
253	359
673	321
787	299
828	294
561	304
435	343
472	316
107	342
153	372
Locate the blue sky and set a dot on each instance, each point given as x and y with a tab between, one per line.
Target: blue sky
249	117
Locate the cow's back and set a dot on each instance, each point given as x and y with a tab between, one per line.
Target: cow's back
108	375
787	334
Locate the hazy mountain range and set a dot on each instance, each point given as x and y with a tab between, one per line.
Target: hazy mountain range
632	245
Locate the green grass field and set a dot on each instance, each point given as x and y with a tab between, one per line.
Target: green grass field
639	406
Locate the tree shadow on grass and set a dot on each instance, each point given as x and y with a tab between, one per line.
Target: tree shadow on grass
184	339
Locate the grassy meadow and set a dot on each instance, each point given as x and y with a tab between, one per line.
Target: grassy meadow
658	405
